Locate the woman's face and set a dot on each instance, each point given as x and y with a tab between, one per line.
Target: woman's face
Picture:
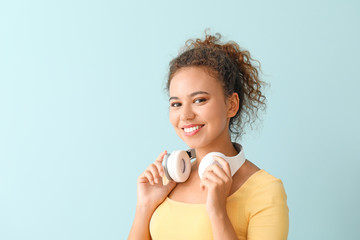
199	112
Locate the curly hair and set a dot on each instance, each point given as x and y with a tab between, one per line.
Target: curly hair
233	67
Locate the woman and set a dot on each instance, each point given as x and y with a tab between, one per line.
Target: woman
214	91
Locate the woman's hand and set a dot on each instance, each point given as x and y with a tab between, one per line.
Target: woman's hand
217	180
150	192
150	189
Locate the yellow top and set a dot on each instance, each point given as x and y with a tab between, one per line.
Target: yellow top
257	211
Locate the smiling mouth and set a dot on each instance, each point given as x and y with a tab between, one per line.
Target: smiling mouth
193	129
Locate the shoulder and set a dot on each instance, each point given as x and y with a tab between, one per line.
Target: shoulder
265	179
265	191
257	180
255	184
263	183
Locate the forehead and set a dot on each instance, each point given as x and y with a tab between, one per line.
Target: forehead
191	79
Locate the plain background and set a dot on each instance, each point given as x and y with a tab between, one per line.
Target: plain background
83	111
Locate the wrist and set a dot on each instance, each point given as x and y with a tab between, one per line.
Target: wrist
222	227
145	208
218	213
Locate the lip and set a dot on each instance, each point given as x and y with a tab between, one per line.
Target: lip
193	132
191	125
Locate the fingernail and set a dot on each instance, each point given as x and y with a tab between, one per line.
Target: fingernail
156	180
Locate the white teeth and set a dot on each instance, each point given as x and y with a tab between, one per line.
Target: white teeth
188	130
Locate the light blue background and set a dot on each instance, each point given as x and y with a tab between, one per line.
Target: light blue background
83	111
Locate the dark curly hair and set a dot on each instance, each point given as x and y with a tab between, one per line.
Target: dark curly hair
233	67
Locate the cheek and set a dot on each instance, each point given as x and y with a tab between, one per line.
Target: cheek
217	112
217	116
173	118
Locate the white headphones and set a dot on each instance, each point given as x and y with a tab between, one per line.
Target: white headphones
177	165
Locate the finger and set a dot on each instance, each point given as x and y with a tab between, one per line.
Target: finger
142	178
220	172
204	181
202	184
161	156
217	170
206	184
170	186
212	176
155	173
160	168
224	164
149	176
216	175
158	163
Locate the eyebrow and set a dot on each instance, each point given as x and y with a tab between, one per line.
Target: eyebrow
190	95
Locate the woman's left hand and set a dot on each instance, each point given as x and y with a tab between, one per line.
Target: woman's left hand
217	181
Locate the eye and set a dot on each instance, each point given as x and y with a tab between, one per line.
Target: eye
175	104
200	100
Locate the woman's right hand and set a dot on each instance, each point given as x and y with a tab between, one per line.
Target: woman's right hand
150	189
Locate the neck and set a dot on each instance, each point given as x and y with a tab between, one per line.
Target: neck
225	147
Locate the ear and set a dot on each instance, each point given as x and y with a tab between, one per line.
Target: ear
233	105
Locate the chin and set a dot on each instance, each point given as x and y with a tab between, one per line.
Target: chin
194	142
191	145
189	142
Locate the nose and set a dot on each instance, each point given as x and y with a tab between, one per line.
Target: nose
187	113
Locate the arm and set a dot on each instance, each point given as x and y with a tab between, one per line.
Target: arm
218	182
150	194
140	227
222	227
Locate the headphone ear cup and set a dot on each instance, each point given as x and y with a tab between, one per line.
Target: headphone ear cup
165	166
179	166
207	161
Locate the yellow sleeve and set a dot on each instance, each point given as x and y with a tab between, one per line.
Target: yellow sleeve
268	212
